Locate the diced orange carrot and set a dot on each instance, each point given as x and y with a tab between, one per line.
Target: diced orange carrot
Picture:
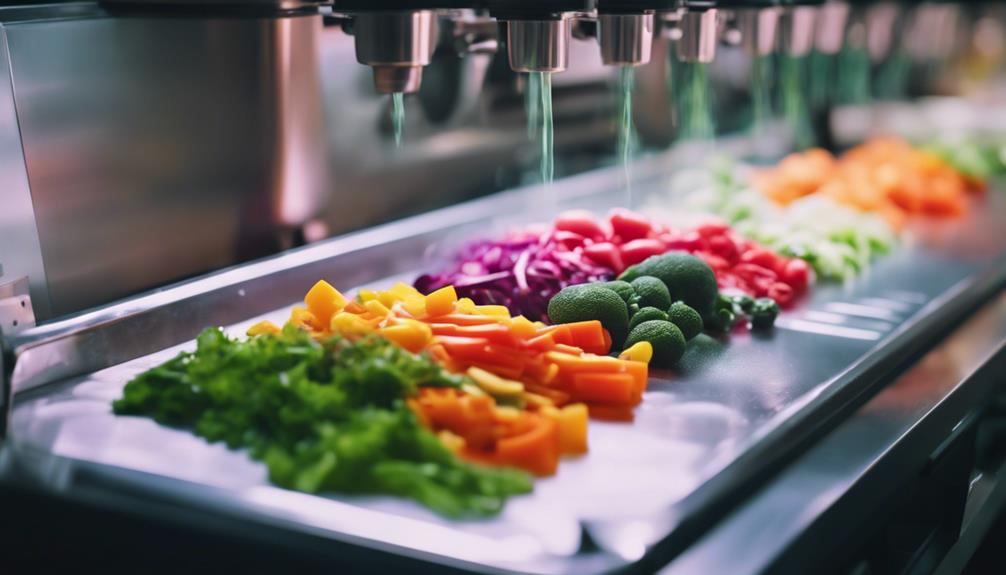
589	336
558	397
611	412
568	349
583	364
607	388
541	342
463	318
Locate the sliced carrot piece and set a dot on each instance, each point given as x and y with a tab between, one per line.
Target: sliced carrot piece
607	388
462	318
611	412
587	363
541	342
568	349
588	336
558	397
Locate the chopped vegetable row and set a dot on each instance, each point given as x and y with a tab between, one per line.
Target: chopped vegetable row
885	175
532	385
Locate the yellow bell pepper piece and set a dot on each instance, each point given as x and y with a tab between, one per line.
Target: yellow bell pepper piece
302	318
452	442
641	351
441	301
537	401
572	423
493	384
366	295
404	290
350	324
522	327
415	306
465	305
407	336
377	308
493	310
324	301
263	327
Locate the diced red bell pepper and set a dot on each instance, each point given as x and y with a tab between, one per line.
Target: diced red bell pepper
724	247
606	254
581	222
781	293
761	257
569	239
629	225
713	228
638	250
797	274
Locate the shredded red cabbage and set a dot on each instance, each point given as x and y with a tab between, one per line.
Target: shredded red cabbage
522	272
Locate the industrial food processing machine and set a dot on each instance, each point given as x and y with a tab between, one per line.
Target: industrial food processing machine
167	165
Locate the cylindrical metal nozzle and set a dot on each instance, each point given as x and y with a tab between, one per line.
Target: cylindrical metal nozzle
757	27
930	32
626	39
830	29
396	44
881	21
796	30
699	34
538	45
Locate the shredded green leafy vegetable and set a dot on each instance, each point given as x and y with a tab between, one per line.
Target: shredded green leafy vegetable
323	416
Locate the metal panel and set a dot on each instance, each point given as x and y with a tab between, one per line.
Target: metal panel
20	252
163	148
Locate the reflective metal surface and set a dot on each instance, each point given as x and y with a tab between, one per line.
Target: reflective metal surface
396	45
626	39
144	163
281	4
699	35
882	19
538	45
830	30
16	311
758	29
20	250
733	409
796	30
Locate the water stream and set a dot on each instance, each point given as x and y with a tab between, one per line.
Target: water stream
398	115
626	80
794	101
544	91
694	101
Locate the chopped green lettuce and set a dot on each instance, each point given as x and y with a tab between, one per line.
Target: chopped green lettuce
323	416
